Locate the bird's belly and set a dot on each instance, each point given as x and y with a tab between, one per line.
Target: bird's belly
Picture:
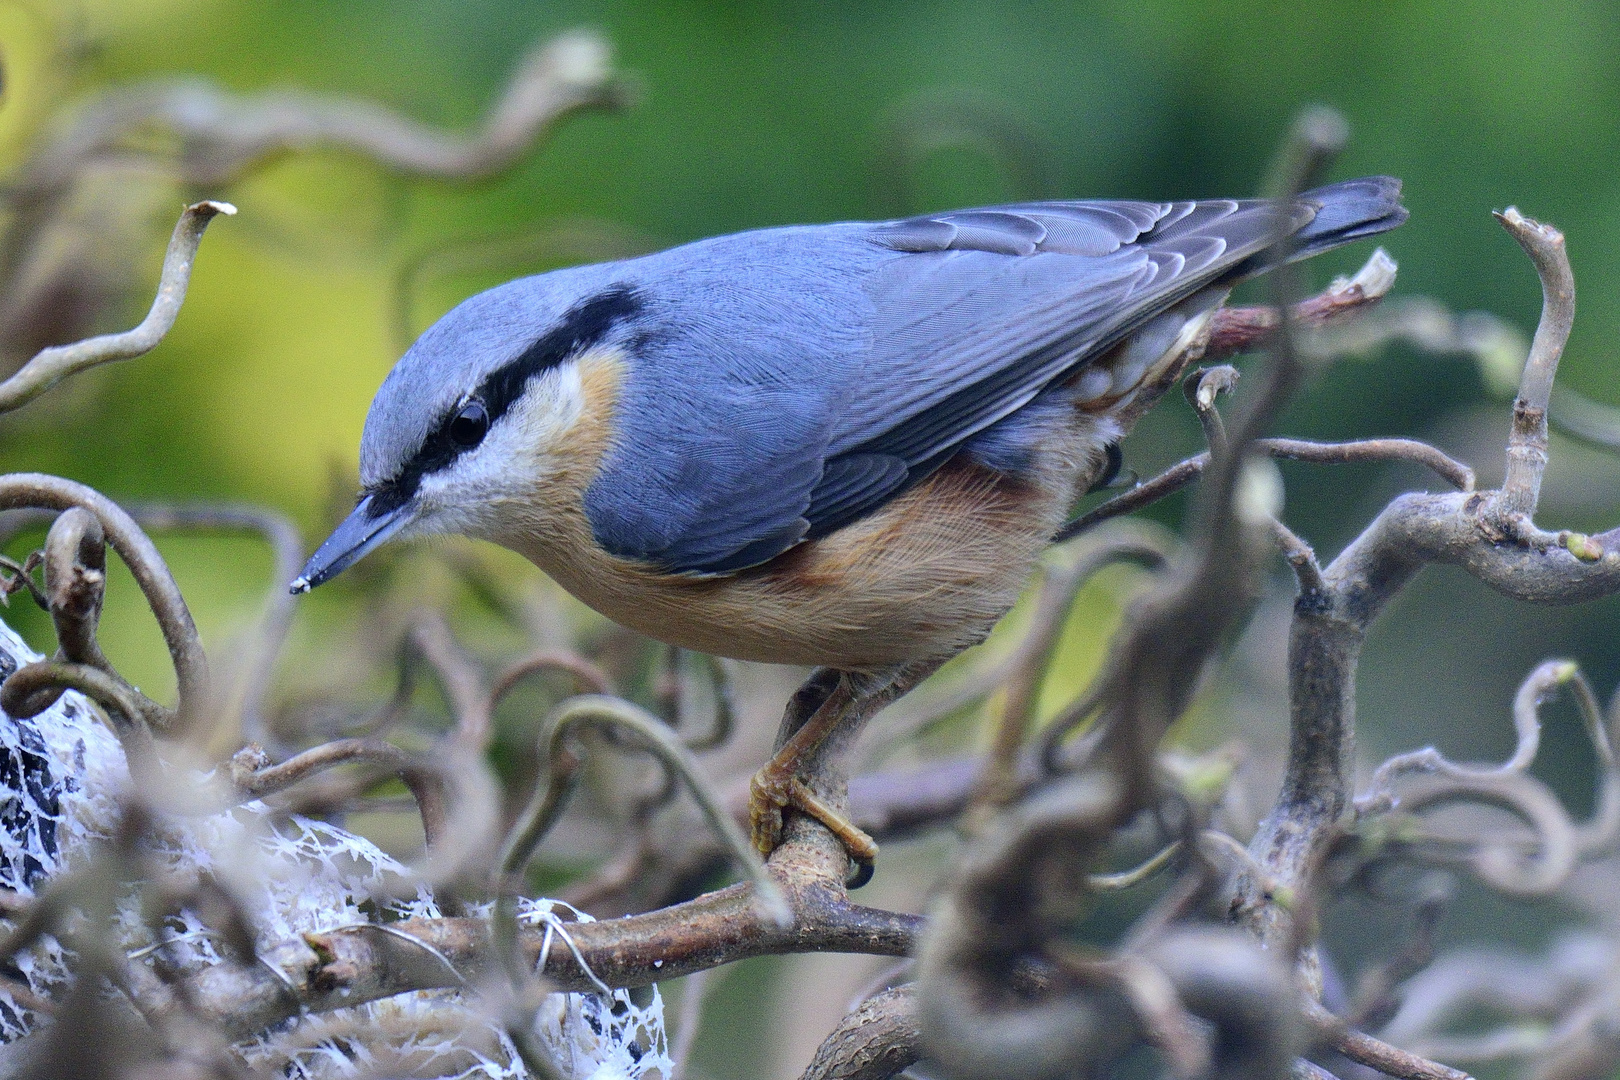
924	577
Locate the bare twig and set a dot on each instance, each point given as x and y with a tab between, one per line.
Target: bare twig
252	684
1527	443
24	490
1597	836
1584	418
459	675
1184	472
1347	300
1490	536
1201	389
1536	688
1128	879
223	135
256	778
34	687
990	920
50	366
1301	557
1374	997
1000	782
587	677
725	702
75	559
22	579
1365	1050
653	735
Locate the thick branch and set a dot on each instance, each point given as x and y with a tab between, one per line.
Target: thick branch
1487	534
875	1042
354	965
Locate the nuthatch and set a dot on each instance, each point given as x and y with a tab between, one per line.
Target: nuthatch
842	445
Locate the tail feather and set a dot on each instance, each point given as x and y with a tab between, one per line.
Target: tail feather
1349	210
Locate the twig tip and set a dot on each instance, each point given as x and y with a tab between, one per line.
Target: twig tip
1376	277
210	207
1527	229
1322	128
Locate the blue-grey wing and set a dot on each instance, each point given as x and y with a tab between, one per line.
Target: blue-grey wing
743	355
809	375
996	304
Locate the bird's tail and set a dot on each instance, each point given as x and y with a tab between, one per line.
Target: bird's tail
1346	211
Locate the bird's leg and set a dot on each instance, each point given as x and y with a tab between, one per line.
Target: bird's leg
826	713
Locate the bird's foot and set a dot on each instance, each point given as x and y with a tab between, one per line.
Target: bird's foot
774	789
768	794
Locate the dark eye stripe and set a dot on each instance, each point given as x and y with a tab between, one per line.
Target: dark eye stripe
584	325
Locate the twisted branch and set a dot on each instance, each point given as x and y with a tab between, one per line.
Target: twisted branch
50	366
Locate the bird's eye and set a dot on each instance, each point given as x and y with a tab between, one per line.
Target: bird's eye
468	426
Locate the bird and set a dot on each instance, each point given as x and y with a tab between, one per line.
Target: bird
842	445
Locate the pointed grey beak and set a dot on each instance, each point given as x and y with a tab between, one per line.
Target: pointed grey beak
361	532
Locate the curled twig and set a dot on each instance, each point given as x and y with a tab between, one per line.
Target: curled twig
35	687
588	678
252	684
674	688
1000	782
1536	688
21	490
1201	389
75	560
459	675
50	366
652	735
223	135
255	778
1503	865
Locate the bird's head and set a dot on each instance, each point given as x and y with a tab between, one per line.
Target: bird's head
478	416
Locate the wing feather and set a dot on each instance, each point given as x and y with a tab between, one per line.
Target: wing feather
806	376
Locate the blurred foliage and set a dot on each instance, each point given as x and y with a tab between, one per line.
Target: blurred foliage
760	114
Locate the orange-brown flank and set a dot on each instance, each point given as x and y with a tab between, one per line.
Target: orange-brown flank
923	577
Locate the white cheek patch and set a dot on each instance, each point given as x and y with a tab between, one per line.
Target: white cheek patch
520	451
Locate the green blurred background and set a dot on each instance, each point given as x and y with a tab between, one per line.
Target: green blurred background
762	114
